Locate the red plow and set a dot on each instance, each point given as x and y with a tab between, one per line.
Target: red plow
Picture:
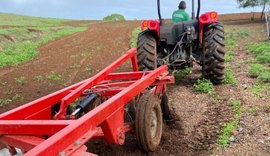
97	108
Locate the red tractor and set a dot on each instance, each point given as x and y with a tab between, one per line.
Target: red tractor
178	45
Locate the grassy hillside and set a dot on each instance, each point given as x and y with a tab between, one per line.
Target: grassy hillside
20	36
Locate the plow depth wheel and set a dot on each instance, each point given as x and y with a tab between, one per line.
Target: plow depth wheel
149	122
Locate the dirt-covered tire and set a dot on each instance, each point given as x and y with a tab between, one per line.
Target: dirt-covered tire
165	107
148	123
146	51
214	53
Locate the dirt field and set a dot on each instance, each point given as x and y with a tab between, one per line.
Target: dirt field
198	117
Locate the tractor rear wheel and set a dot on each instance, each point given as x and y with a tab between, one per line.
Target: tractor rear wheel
149	122
214	53
146	51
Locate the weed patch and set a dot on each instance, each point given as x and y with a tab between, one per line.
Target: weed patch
21	80
4	102
260	68
204	86
54	77
229	77
134	38
179	75
228	128
229	56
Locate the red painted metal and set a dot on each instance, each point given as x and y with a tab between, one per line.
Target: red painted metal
20	141
153	25
204	20
40	132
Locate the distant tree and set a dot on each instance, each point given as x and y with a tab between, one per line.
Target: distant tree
253	3
114	17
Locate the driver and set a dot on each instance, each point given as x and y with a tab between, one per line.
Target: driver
180	15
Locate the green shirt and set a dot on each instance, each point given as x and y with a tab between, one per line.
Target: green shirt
180	16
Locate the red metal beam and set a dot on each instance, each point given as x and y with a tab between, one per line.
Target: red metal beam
126	76
33	127
24	143
68	99
31	108
61	140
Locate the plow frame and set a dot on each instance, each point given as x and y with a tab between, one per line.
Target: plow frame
37	131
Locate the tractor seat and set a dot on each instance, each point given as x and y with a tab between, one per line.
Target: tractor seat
170	32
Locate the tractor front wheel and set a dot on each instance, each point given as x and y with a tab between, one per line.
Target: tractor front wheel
146	51
214	53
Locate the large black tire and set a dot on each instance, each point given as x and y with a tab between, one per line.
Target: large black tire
149	123
214	53
146	51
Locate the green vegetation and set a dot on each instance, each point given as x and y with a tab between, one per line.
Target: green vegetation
75	66
254	3
259	88
179	75
22	35
231	39
204	86
39	78
134	38
256	69
21	80
228	128
262	51
54	77
260	68
229	77
232	36
114	17
4	102
89	69
229	56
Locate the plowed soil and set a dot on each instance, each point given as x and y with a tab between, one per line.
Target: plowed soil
198	117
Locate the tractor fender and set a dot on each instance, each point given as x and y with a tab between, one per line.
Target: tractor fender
205	19
151	25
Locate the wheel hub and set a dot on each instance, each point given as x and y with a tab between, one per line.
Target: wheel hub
154	124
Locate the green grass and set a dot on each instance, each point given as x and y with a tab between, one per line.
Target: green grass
204	86
256	69
262	51
226	133
89	69
54	77
134	38
179	75
232	36
39	78
229	56
229	77
21	80
259	88
19	20
28	33
260	68
4	102
264	77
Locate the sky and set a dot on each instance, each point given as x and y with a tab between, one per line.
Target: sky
97	9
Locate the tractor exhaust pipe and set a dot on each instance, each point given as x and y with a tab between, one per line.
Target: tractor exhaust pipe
193	11
199	9
159	13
